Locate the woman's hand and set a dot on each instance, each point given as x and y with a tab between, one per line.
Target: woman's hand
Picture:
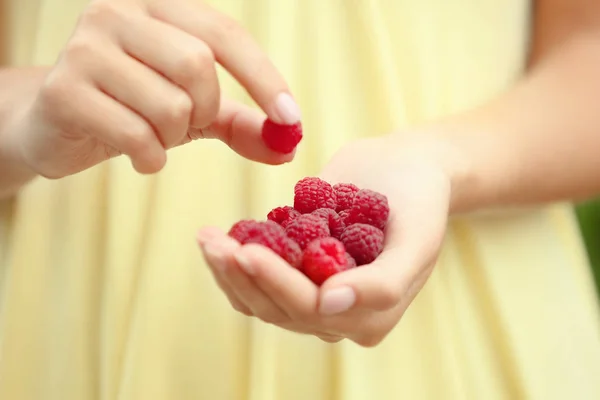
138	77
365	303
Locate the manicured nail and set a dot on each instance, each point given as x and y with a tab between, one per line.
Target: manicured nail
244	263
213	251
202	237
287	109
337	300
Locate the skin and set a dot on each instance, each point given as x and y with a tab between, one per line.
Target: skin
534	144
137	77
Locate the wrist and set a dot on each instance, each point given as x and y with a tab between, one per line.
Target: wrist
15	172
468	155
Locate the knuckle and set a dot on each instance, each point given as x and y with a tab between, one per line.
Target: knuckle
389	295
79	48
206	111
195	65
227	29
101	12
137	140
54	91
178	110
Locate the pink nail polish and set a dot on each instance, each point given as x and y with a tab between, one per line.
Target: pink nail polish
287	109
337	300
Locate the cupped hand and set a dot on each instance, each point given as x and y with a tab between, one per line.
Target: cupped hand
362	304
138	77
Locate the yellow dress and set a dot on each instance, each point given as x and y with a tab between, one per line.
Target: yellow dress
104	295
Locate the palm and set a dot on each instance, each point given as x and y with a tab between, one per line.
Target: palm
418	194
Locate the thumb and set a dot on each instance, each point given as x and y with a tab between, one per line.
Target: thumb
378	286
240	127
394	277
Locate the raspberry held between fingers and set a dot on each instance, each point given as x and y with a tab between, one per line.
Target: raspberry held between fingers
281	138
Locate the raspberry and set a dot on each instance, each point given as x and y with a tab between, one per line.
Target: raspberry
363	242
283	215
243	229
370	208
335	223
281	138
344	193
323	258
307	228
313	193
344	216
350	261
268	234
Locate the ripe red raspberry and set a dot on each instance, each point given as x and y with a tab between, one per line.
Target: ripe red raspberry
363	242
369	207
350	261
268	234
281	138
244	229
344	216
344	194
313	193
335	223
307	228
283	215
323	258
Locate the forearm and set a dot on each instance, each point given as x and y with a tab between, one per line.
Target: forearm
538	143
18	88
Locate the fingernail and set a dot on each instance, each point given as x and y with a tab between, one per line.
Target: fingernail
213	251
337	300
244	263
287	109
202	237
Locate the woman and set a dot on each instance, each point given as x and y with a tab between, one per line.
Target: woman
112	304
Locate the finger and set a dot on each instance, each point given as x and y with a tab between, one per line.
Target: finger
285	286
377	285
244	288
239	127
330	338
165	106
183	59
237	51
214	260
94	113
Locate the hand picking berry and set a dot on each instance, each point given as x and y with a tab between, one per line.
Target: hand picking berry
268	234
281	138
313	193
323	258
330	229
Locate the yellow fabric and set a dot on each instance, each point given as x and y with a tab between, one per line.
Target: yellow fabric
104	294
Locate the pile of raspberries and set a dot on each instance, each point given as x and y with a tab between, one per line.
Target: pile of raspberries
330	229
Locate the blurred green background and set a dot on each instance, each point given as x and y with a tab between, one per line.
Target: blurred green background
588	214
